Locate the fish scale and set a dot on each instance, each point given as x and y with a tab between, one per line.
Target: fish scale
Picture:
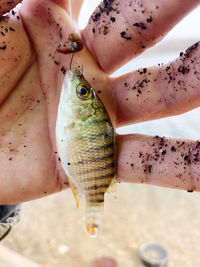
86	145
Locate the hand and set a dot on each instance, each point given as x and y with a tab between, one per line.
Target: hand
32	75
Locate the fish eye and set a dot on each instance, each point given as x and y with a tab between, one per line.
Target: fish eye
83	92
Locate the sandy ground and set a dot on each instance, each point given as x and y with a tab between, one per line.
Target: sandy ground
52	230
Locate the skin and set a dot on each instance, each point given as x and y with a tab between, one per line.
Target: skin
30	85
104	262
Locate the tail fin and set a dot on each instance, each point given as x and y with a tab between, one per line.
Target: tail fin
93	219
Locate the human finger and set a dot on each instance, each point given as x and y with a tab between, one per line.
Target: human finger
16	53
159	161
75	8
120	30
157	92
71	6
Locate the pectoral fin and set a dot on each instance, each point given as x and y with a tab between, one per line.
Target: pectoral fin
75	193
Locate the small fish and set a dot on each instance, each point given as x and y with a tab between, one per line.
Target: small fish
86	145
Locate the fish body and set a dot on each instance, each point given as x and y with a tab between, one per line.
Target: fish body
86	145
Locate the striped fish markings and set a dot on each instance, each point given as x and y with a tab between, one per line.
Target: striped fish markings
86	145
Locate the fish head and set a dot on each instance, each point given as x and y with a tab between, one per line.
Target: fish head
78	97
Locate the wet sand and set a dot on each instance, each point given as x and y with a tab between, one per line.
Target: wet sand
52	230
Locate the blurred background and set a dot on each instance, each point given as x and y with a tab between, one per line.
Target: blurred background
52	230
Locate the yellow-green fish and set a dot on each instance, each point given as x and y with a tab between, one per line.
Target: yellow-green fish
86	145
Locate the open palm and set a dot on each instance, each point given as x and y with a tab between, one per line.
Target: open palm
31	76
